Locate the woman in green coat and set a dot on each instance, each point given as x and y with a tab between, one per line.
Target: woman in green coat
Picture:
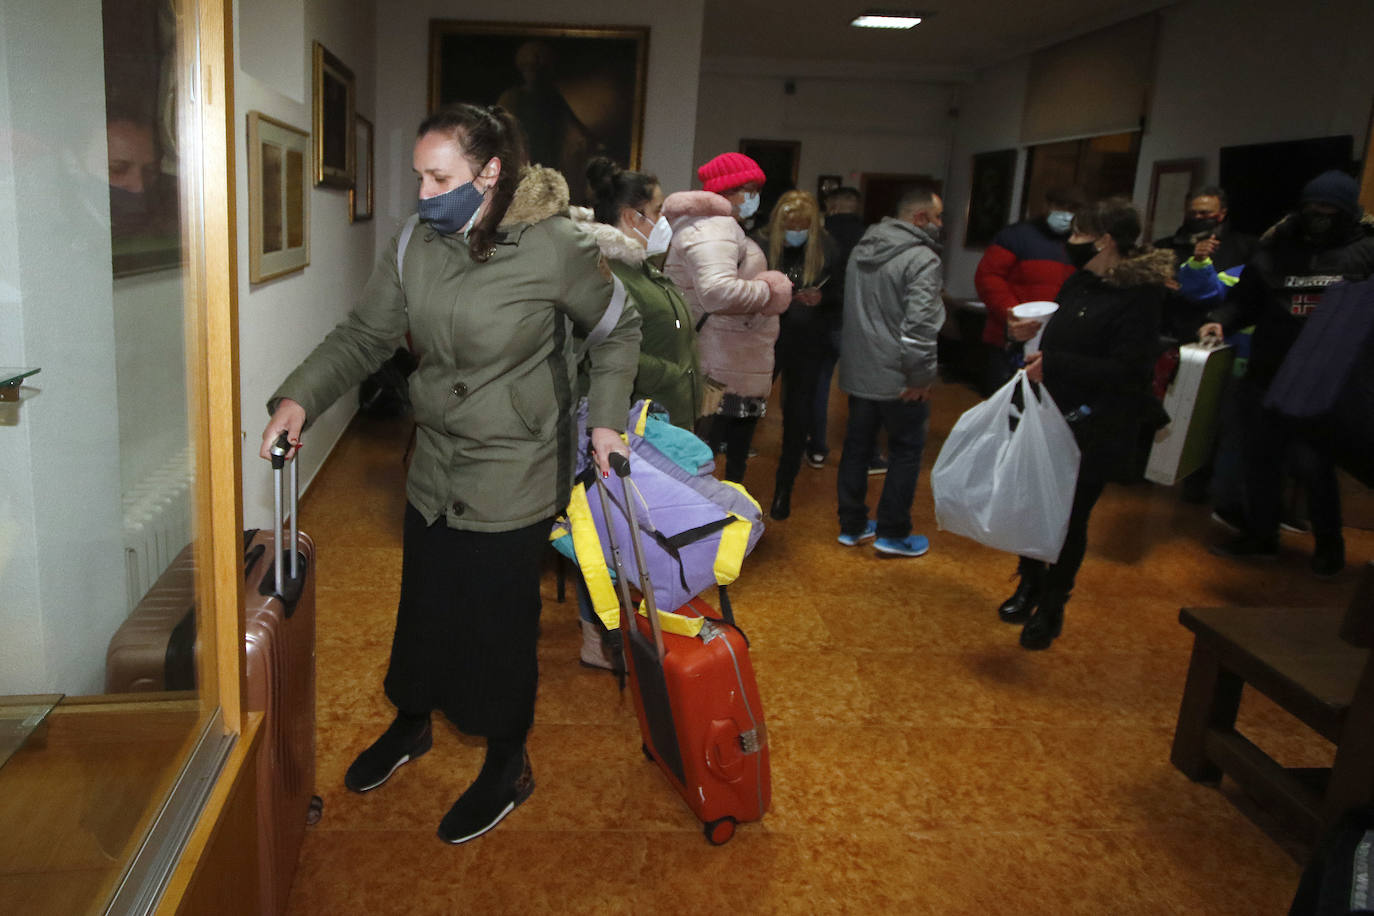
492	284
633	237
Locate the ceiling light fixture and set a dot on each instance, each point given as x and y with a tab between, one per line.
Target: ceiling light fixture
876	19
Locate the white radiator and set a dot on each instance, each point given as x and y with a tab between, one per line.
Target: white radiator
157	524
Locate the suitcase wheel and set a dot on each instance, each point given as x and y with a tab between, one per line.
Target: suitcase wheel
648	754
316	810
719	831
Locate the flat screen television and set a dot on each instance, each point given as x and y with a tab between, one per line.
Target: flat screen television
1263	180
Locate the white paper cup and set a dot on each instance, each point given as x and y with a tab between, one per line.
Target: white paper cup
1036	311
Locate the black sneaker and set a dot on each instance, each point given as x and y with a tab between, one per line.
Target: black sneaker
402	742
1328	559
877	466
487	801
816	459
1247	546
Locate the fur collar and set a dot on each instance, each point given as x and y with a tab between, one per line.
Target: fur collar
1288	227
1152	267
683	205
541	194
614	244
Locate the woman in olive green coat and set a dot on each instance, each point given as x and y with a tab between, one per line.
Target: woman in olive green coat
633	236
492	284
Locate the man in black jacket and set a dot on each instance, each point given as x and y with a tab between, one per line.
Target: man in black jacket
1205	241
1325	242
844	223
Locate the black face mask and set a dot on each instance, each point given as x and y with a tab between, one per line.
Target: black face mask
1199	229
1322	228
1080	253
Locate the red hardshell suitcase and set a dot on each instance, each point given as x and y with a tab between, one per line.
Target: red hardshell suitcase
698	703
279	635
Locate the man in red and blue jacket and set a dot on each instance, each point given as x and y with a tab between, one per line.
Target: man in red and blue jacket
1026	262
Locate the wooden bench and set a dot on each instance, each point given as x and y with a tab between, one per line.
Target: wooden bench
1313	663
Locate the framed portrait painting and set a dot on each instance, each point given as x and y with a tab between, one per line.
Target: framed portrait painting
577	91
989	200
278	198
360	195
333	113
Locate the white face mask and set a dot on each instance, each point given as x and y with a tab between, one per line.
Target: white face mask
658	238
750	206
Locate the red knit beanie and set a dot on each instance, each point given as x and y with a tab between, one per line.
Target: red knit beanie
729	171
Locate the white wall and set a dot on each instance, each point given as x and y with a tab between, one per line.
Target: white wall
150	371
282	320
403	59
849	121
1228	73
61	557
989	119
1267	71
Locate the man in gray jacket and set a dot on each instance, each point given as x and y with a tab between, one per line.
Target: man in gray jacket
892	315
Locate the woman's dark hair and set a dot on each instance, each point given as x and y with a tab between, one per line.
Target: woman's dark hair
1115	216
483	133
613	188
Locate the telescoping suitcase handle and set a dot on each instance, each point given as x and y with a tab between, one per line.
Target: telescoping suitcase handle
279	451
621	465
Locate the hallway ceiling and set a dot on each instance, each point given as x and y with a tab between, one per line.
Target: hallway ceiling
961	35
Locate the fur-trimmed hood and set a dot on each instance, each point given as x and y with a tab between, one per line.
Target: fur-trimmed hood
542	193
694	205
1288	227
1152	267
614	244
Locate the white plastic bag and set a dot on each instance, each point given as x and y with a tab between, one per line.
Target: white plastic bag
1009	489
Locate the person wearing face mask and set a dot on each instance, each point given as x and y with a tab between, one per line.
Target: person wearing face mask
1026	262
628	226
627	222
735	299
1209	255
798	245
492	281
1326	241
888	348
1095	360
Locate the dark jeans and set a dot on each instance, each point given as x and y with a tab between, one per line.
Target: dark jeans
905	422
820	412
1055	581
1275	444
736	434
467	626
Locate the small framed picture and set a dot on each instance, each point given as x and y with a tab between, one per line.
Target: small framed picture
278	198
333	111
360	195
1170	182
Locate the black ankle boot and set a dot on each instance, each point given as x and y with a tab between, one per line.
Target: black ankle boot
406	738
782	502
1018	608
505	781
1044	625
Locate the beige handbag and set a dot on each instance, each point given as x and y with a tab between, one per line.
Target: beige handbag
712	392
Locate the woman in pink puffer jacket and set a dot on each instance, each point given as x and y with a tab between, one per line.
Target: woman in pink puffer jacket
734	300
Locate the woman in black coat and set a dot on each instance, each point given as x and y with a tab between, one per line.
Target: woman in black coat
1095	359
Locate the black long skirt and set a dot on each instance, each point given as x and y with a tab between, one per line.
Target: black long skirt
467	626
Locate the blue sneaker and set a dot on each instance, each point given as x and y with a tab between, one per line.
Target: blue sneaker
913	545
854	540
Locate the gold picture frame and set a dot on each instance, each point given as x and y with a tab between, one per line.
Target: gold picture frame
278	198
334	105
577	90
360	196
